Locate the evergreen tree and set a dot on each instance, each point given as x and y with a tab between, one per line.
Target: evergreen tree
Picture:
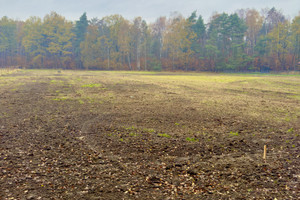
80	30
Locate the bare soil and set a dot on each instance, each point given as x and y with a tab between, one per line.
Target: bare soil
136	136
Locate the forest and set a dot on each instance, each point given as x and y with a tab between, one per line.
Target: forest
245	41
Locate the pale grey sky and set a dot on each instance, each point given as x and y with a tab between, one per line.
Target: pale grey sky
148	9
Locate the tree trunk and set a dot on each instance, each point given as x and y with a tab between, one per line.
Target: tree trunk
108	64
145	58
138	62
129	62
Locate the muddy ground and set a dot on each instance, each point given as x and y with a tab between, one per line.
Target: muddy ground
108	135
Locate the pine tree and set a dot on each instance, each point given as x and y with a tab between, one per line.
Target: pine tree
80	31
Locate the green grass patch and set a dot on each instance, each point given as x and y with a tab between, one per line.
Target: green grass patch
81	101
233	133
191	139
91	85
56	81
291	130
294	97
149	130
131	128
132	134
164	135
60	99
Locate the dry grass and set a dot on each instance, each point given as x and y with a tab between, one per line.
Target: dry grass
6	71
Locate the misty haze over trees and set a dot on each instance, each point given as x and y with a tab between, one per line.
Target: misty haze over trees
248	40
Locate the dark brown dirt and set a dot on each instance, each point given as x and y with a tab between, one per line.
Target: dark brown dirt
138	148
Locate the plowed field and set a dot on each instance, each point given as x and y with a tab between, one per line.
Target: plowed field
144	135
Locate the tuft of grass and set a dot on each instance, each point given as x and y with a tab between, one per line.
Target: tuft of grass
191	139
233	133
133	134
164	135
56	81
7	71
291	130
149	130
91	85
131	128
81	101
60	99
287	119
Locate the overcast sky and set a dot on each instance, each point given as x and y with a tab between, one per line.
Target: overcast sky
148	9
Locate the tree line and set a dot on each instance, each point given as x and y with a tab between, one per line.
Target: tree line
247	40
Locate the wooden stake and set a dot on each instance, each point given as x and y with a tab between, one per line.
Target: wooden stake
265	152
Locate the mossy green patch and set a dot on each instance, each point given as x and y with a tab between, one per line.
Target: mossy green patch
291	130
81	101
131	128
164	135
191	139
233	133
56	81
91	85
132	134
149	130
60	99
